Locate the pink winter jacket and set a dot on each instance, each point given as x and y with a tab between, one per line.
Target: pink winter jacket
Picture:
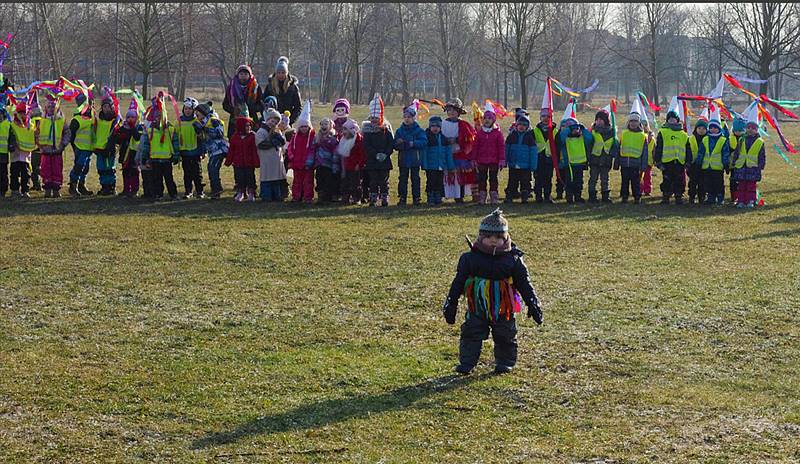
490	147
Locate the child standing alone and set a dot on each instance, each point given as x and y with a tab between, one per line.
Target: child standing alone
494	279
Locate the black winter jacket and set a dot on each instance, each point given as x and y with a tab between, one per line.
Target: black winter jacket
500	266
378	141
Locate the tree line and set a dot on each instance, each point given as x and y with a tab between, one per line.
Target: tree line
411	50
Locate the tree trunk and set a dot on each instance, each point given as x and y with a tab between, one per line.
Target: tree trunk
523	88
403	58
445	52
145	83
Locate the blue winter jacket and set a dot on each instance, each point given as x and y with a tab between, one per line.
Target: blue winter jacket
214	141
411	148
438	155
521	151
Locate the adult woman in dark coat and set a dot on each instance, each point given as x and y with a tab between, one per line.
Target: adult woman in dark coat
283	86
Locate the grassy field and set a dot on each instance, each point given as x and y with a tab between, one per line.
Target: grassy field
209	331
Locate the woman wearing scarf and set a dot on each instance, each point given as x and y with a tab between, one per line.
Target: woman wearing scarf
242	96
283	86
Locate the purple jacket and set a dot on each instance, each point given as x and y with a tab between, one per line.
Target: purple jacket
749	174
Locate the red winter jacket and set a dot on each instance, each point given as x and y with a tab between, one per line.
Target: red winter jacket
490	147
358	155
300	149
466	139
243	152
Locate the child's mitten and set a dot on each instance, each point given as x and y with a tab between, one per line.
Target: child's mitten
535	311
449	311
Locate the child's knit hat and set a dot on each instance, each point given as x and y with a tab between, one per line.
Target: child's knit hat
435	121
342	103
282	65
524	120
494	223
204	108
270	113
271	102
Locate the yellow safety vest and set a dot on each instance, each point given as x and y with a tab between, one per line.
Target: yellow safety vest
5	128
713	159
84	139
47	136
576	150
102	132
24	136
674	145
187	137
749	158
601	145
632	143
541	141
159	149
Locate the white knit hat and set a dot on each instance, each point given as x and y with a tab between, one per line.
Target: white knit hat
305	116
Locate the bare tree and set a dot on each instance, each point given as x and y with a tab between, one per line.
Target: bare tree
519	28
143	40
764	38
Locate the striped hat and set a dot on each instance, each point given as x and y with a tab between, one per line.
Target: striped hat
494	223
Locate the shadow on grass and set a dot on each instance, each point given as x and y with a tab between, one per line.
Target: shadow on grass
773	234
226	209
338	410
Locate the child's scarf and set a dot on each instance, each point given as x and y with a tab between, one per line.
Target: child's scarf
345	146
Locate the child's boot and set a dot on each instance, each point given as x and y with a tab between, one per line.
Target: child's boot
524	196
47	193
592	197
494	198
54	193
384	200
401	201
607	197
373	199
72	190
82	189
481	198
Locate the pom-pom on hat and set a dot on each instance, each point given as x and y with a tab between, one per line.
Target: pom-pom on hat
494	223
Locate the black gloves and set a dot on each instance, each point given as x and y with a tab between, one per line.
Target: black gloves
449	310
535	311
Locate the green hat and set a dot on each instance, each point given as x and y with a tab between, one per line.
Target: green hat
494	223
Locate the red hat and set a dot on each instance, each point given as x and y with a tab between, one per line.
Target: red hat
21	107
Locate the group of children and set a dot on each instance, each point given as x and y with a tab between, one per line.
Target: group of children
340	161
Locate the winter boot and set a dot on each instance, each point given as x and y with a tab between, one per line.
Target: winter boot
72	190
665	200
417	201
55	193
47	193
525	196
569	198
579	199
607	197
679	199
82	189
637	200
592	197
384	201
481	198
251	195
401	201
494	198
37	186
